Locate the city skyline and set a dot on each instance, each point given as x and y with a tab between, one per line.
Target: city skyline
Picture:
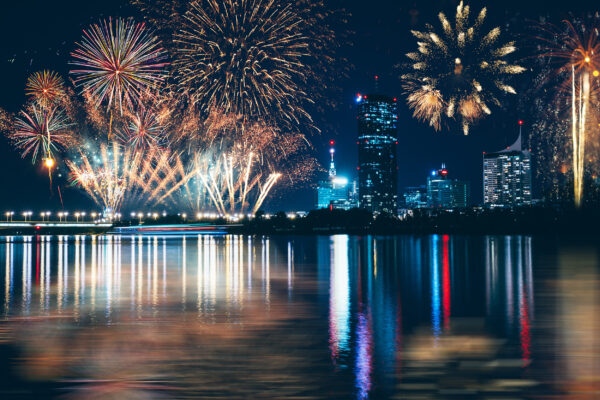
382	38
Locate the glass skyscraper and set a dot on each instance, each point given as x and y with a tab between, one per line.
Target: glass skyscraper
446	193
377	165
507	177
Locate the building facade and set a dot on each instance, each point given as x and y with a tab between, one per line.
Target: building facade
415	197
377	164
336	191
446	193
507	177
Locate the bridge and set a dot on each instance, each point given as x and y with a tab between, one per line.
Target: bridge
51	227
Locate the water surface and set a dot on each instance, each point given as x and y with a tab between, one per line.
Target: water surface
299	317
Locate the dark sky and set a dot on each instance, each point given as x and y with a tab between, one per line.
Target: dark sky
41	34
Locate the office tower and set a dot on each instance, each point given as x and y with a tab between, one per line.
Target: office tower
335	191
507	176
377	165
415	197
446	193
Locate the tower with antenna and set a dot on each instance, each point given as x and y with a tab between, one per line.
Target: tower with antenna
335	191
332	171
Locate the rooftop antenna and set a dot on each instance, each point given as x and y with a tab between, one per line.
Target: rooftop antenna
376	83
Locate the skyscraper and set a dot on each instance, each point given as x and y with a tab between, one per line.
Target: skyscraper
443	192
335	191
377	165
507	176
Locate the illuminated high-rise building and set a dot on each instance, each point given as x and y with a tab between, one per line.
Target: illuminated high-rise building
446	193
377	164
507	176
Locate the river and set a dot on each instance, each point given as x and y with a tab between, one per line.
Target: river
299	317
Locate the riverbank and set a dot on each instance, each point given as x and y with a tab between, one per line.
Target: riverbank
530	220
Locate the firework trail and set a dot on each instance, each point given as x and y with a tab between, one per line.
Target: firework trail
576	51
41	131
115	63
230	180
459	73
105	175
229	183
45	87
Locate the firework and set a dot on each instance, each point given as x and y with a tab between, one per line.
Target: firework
458	73
41	131
576	50
105	175
246	57
45	87
230	179
115	63
143	130
229	183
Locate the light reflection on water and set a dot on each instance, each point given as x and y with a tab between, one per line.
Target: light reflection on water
340	317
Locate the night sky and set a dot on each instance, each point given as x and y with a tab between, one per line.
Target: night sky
41	34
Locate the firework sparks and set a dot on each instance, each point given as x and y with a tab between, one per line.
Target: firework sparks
143	131
245	57
117	62
231	179
107	175
458	73
577	52
45	87
229	183
41	131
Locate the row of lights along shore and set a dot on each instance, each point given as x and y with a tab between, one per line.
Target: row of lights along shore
82	216
62	215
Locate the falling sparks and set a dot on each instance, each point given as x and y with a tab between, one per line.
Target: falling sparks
442	82
576	49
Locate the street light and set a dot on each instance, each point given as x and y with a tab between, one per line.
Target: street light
27	214
77	214
93	214
140	216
